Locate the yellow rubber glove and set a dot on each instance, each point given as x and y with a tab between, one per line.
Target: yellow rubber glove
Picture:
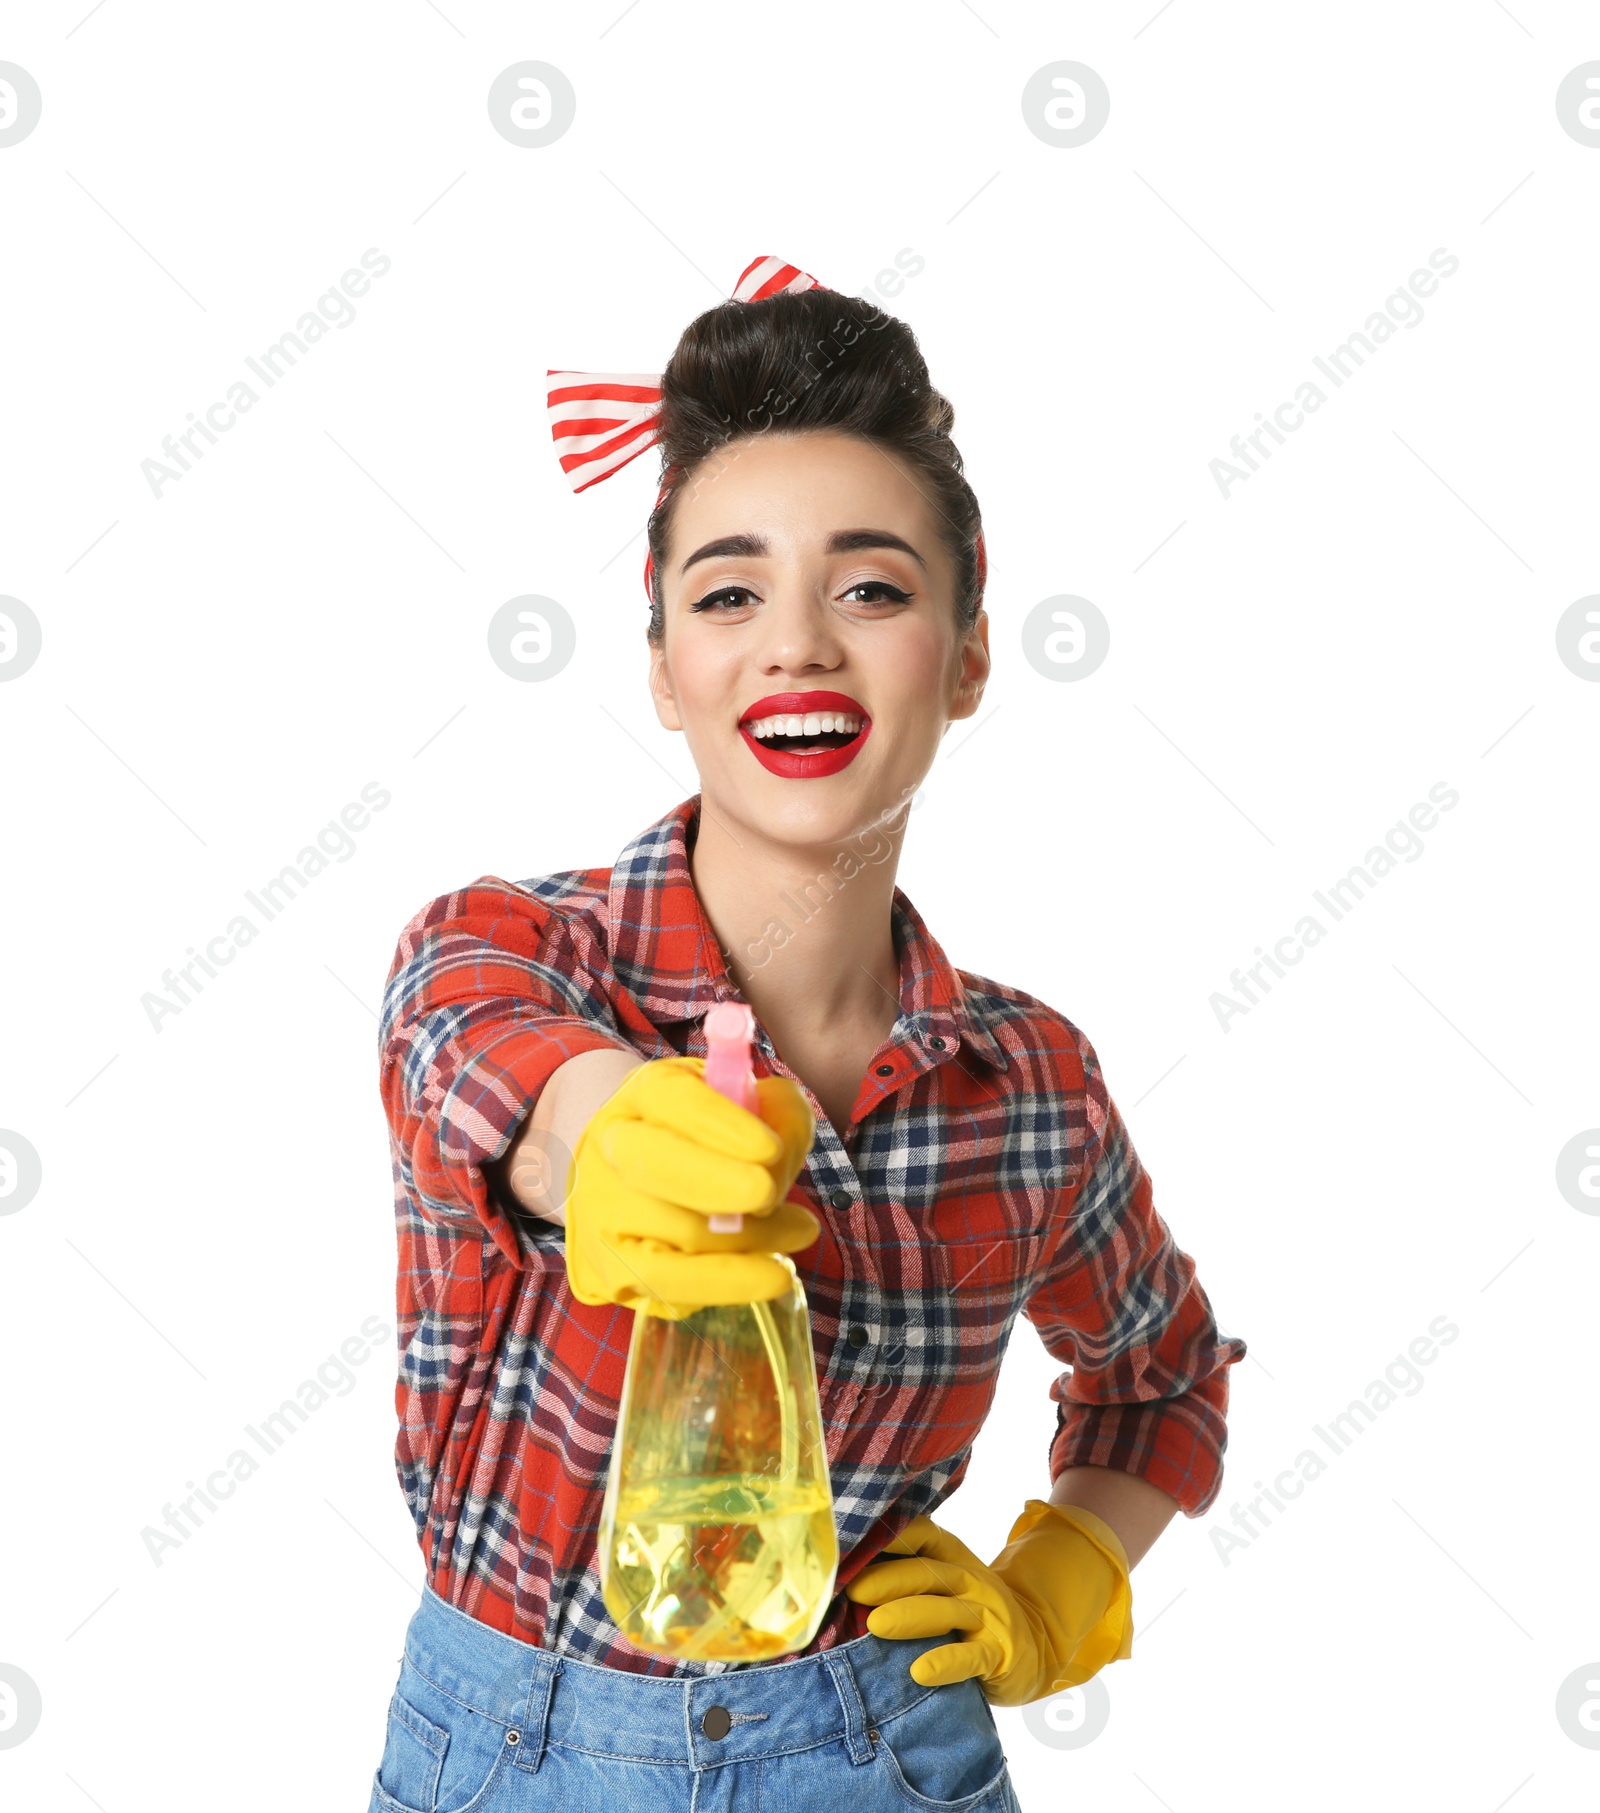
659	1156
1051	1609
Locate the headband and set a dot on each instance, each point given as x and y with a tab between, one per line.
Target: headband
599	420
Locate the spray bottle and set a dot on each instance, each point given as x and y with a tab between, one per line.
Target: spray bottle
717	1538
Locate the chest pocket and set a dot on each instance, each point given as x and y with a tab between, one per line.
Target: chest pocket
987	1265
985	1281
960	1235
976	1287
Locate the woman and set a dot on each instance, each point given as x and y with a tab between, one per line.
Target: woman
936	1150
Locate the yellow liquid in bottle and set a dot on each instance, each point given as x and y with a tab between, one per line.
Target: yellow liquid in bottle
722	1569
717	1539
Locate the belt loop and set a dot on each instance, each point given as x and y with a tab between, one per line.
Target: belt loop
856	1740
536	1715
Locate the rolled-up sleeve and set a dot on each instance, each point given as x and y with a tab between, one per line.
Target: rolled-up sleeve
489	993
1146	1388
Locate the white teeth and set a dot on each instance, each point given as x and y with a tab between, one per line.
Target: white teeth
814	723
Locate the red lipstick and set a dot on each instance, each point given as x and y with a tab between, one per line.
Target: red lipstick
801	765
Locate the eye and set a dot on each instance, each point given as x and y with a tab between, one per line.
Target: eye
714	601
895	595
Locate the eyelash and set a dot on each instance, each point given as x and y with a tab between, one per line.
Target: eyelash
896	596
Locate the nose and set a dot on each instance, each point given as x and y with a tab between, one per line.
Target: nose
798	631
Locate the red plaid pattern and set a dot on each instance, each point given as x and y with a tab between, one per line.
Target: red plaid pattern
988	1173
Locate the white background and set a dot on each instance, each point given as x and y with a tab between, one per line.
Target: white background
1371	1147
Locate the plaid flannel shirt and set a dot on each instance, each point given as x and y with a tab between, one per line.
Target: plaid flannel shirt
985	1171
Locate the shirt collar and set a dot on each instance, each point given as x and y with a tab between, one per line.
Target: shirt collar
665	954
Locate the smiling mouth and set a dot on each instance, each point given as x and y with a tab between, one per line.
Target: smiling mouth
806	731
800	745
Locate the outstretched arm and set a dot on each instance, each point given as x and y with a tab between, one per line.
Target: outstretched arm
524	1173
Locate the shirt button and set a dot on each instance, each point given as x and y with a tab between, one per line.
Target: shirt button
858	1336
715	1722
937	1042
886	1070
841	1199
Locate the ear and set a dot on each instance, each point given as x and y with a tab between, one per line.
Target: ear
661	692
974	668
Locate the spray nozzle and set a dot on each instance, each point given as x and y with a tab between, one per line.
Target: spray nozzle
730	1029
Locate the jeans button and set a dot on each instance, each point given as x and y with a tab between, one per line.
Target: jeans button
715	1722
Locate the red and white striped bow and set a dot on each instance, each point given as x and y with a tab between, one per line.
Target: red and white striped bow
600	420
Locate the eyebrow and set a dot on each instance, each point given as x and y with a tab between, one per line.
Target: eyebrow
843	541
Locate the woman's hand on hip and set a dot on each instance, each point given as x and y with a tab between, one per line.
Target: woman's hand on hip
1050	1611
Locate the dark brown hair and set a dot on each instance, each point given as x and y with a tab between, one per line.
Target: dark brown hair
816	359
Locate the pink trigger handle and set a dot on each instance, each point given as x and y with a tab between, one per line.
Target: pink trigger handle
730	1028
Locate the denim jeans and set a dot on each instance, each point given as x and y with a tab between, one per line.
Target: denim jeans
481	1722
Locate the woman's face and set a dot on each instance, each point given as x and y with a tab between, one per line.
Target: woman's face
800	564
